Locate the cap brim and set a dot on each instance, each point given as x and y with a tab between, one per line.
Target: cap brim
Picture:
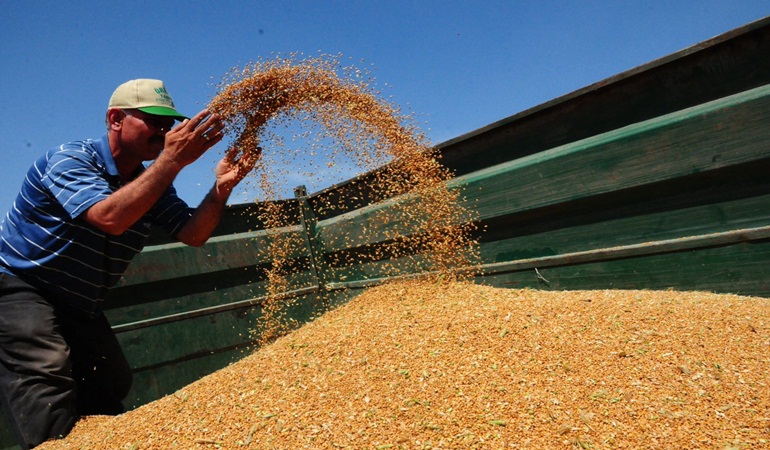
162	111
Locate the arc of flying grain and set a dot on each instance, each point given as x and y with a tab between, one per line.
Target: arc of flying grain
265	90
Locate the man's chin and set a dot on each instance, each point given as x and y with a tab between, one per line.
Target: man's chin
150	155
156	149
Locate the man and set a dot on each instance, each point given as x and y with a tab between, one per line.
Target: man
83	211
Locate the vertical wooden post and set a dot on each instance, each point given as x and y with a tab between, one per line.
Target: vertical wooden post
308	222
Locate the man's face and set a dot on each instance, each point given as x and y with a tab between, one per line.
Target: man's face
144	134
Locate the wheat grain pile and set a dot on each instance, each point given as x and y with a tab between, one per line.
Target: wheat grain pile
419	365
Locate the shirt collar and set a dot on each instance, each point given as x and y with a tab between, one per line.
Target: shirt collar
103	148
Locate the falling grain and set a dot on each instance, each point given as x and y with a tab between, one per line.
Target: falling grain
346	122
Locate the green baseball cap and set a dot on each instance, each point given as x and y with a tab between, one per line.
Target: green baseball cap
147	95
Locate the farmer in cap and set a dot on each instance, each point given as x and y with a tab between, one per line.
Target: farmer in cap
83	212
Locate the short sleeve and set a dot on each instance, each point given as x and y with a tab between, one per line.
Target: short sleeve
76	179
171	212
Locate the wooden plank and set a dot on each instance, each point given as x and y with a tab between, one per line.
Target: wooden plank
220	253
725	132
636	229
177	299
738	269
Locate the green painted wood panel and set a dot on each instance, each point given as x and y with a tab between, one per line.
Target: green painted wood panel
736	269
721	133
634	229
220	253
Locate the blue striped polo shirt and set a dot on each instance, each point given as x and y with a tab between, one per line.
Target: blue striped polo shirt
45	240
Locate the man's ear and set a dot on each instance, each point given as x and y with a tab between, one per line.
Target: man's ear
115	118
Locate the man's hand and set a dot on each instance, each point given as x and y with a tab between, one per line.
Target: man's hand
192	138
232	169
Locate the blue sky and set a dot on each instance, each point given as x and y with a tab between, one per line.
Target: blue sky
458	65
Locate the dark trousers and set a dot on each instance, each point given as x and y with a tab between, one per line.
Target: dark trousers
56	364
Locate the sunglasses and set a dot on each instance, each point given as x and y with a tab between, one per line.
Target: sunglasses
162	124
